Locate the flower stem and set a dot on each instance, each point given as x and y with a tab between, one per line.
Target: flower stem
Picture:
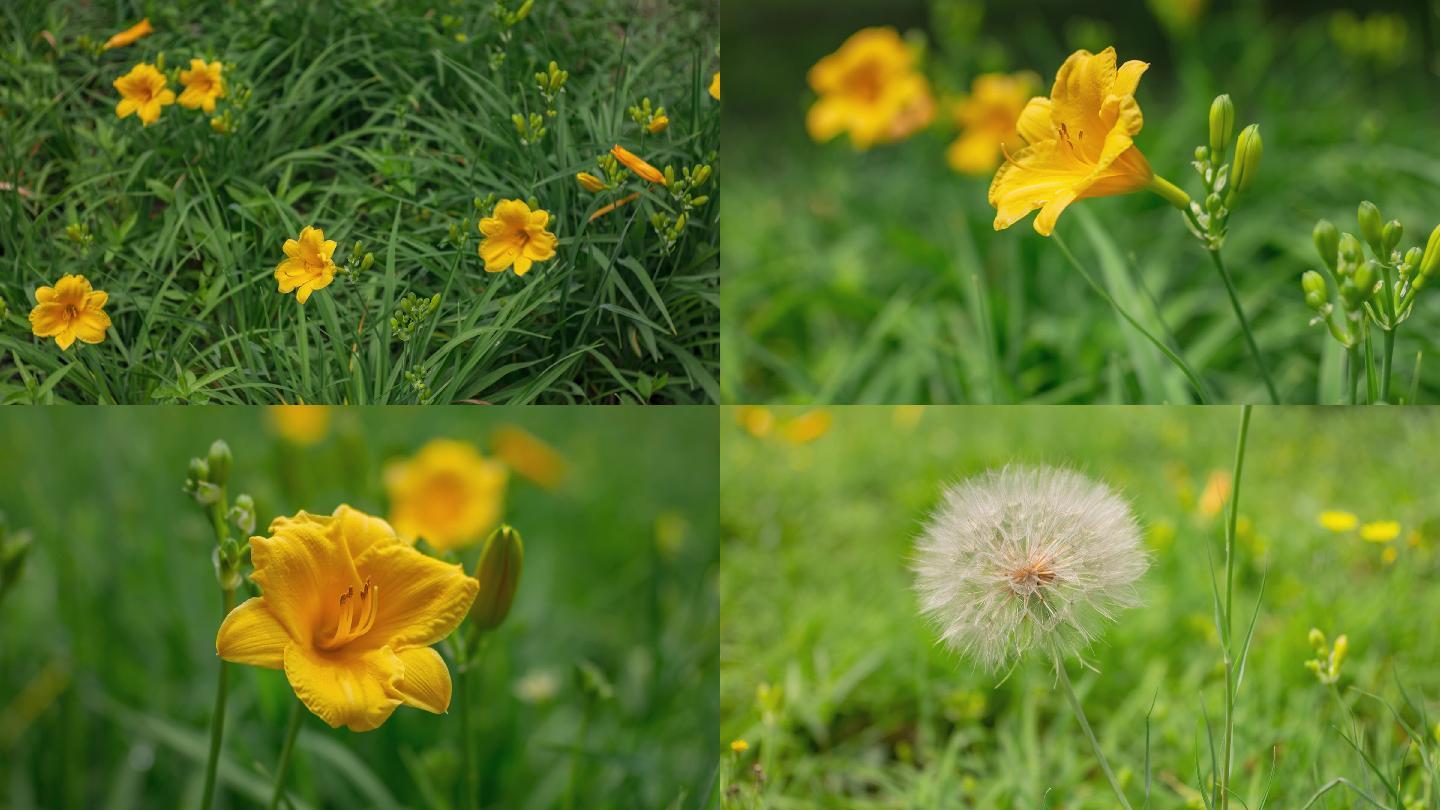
1386	359
1089	735
1224	798
1352	373
292	729
468	652
1172	193
217	717
303	333
1244	324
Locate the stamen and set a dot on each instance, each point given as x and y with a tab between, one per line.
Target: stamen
353	622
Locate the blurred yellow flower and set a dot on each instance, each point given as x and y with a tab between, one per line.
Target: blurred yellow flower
739	746
756	420
203	85
807	427
309	264
130	35
349	613
658	124
715	86
143	93
590	182
447	494
1215	494
1338	521
1380	531
633	162
908	416
69	311
516	237
522	452
986	119
870	89
301	425
1079	143
1389	555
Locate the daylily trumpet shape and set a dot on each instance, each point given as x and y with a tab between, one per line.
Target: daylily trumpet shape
1080	144
349	612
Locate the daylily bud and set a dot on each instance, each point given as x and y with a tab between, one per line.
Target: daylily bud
1365	277
1212	203
1317	640
1411	262
1390	236
1342	644
1350	254
1327	242
1222	123
1431	260
243	514
198	473
590	182
367	262
1202	153
1369	218
499	574
219	461
1316	296
1248	148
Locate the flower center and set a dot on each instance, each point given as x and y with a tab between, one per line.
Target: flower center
1030	578
71	312
357	616
865	82
201	83
141	91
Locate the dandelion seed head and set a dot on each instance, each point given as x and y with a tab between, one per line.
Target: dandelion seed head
1027	557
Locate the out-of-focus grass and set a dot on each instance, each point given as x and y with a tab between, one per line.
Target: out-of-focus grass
877	277
872	712
107	657
377	122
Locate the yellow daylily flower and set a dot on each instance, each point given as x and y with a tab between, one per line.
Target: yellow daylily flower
633	162
1338	521
715	86
1080	144
871	90
1380	531
807	427
516	237
987	119
143	92
301	425
203	85
349	612
447	494
526	454
739	746
309	264
129	35
69	311
757	420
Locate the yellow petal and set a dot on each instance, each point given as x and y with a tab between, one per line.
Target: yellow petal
421	598
252	635
522	264
1035	124
974	153
426	681
352	689
300	569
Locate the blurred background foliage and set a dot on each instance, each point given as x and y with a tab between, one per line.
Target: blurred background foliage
844	698
107	655
877	277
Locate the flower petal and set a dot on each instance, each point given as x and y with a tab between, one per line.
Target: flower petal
301	568
1035	123
352	689
252	635
426	681
421	598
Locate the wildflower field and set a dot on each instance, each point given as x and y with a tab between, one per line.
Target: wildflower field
881	248
506	202
837	692
583	673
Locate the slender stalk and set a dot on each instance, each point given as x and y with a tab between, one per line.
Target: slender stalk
1244	324
1386	359
304	335
467	661
1159	344
292	729
217	716
575	750
1228	629
1352	373
1089	735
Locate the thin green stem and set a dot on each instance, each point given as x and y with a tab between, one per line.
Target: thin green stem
1159	344
1089	734
469	656
1244	324
1387	358
292	729
1352	373
576	750
217	716
303	333
1228	629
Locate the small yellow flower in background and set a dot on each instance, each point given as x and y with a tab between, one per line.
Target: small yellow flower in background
447	494
527	455
129	35
301	425
756	420
515	236
869	89
658	124
807	427
1338	521
203	85
69	311
626	200
349	613
143	92
1080	143
1380	531
1389	555
1215	494
739	746
309	264
908	416
633	162
590	182
715	86
987	119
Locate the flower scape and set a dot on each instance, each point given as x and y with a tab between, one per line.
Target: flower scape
461	229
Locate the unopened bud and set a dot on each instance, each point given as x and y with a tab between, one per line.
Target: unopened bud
1350	254
1327	242
1390	237
1369	218
1222	123
219	462
499	574
1316	295
1248	148
1431	260
1365	277
367	262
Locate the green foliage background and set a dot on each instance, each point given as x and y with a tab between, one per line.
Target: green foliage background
819	603
877	277
376	121
118	608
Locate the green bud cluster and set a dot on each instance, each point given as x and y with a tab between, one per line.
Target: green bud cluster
415	377
1224	181
357	262
410	314
645	115
530	128
551	82
206	479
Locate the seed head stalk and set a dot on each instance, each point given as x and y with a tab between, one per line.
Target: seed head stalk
292	728
1227	630
1074	699
218	509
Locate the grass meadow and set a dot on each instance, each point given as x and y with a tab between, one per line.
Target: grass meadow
108	657
876	276
843	697
387	124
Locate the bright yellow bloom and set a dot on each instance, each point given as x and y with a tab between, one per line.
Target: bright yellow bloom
1215	494
526	454
446	494
658	124
757	420
349	612
143	92
301	425
516	236
70	310
1080	143
739	746
309	264
590	182
203	85
715	86
1337	521
129	35
807	427
987	119
626	200
1381	531
633	162
869	88
1389	555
